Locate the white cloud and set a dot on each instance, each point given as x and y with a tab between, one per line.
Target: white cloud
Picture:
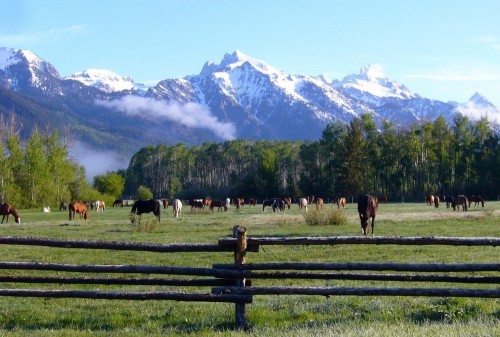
480	74
192	115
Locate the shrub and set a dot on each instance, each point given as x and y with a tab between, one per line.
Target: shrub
325	216
147	225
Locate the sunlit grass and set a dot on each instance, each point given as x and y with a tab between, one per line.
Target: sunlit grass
268	315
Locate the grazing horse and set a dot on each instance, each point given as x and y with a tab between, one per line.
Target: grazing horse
165	203
177	206
63	206
448	199
252	202
118	202
207	201
310	199
145	206
367	208
288	202
436	201
319	203
429	200
7	209
279	205
195	203
77	207
460	200
341	202
219	204
477	199
100	206
266	203
239	202
302	204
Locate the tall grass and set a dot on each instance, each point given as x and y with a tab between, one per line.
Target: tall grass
268	315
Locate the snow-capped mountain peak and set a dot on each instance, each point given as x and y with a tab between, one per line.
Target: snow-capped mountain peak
480	101
371	85
103	80
8	57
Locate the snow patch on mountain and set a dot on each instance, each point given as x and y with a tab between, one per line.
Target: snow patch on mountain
8	57
105	80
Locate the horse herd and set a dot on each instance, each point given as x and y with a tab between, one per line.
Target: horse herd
454	201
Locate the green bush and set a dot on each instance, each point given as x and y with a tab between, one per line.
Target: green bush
325	216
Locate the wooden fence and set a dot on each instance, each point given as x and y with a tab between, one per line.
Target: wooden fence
236	282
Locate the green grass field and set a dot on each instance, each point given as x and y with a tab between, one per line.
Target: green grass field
268	315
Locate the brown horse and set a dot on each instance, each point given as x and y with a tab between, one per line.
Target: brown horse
118	202
382	199
341	202
145	206
477	199
458	201
429	200
367	208
166	203
436	201
7	209
288	202
252	202
77	207
319	203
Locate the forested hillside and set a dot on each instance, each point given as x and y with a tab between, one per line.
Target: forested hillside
433	158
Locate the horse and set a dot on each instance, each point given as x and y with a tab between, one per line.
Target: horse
63	206
118	202
252	202
227	203
77	207
145	206
177	206
207	201
6	209
195	203
310	199
367	208
239	202
477	199
448	199
266	203
46	209
340	202
100	206
279	205
165	203
460	200
219	204
319	203
302	204
288	202
436	201
429	200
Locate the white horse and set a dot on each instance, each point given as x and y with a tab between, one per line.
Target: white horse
227	202
302	204
100	206
177	207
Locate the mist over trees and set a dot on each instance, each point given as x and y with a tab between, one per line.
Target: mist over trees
431	158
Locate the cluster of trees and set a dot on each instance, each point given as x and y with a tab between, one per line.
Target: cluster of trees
41	173
430	158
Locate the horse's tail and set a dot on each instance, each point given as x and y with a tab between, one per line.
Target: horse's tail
465	207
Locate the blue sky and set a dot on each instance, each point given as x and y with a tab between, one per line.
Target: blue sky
440	49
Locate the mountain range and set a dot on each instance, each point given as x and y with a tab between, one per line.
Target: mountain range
240	97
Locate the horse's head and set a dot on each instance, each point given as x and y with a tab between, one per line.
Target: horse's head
18	219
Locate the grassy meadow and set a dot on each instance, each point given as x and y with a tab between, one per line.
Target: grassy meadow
268	315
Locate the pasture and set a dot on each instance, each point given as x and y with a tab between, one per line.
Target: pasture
269	315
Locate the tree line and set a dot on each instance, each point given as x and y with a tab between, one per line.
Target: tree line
462	157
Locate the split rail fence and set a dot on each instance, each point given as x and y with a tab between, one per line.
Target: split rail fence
236	282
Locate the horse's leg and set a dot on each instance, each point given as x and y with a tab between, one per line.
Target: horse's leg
373	224
4	218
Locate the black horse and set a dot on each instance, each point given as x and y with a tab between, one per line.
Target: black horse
146	206
63	206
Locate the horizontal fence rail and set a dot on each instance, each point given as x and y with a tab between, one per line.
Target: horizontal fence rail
366	240
114	245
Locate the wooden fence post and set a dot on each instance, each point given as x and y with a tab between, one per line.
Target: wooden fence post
241	320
